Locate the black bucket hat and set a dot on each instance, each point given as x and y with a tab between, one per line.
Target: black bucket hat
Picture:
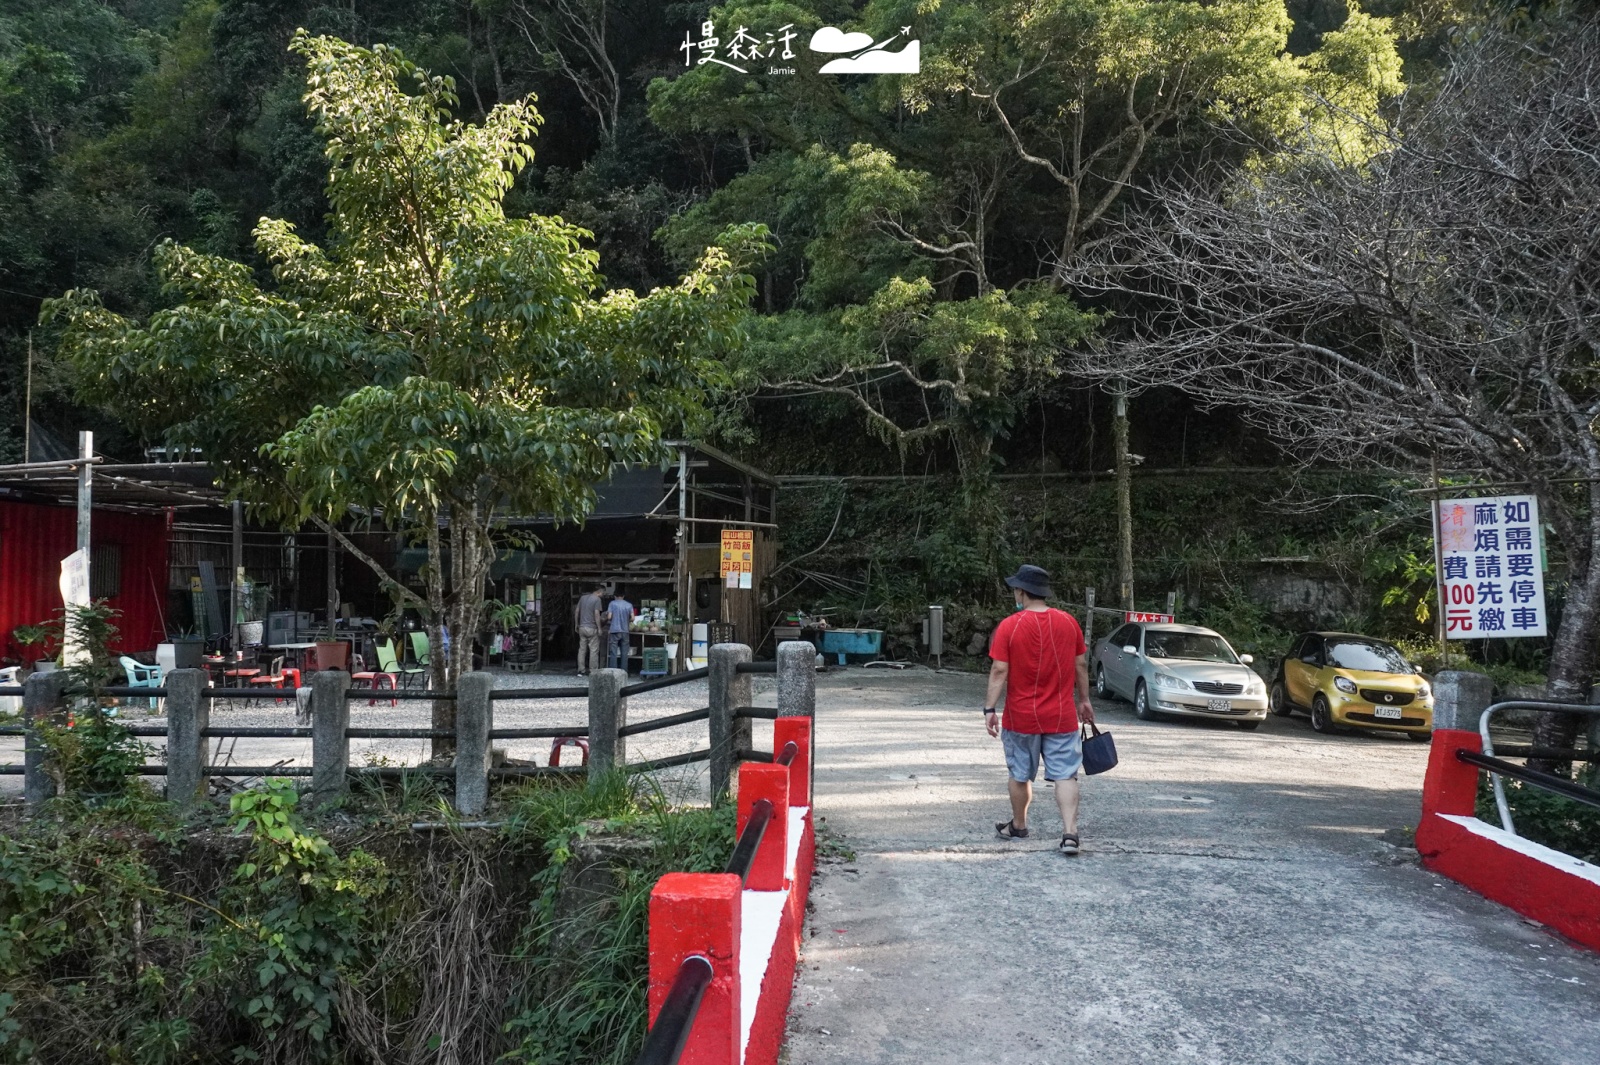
1031	579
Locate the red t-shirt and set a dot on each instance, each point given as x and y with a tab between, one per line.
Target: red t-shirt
1042	648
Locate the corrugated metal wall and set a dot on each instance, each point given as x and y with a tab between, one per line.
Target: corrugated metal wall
33	541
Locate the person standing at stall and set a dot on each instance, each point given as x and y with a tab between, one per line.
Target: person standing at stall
586	619
621	614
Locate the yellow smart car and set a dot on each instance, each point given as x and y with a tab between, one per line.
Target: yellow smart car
1345	680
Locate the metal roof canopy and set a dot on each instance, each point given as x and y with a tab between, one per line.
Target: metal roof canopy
139	486
155	486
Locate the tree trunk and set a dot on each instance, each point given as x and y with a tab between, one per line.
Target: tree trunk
1571	664
443	712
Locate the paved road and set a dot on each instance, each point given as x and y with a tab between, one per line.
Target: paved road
1237	902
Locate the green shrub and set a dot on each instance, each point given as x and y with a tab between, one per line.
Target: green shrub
1545	817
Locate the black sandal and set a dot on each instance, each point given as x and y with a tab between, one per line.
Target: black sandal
1069	845
1008	830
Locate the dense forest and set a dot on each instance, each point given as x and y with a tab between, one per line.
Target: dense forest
907	223
920	310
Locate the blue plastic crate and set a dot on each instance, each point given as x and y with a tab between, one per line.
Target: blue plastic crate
842	642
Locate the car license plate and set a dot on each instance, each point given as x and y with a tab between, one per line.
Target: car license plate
1386	713
1218	706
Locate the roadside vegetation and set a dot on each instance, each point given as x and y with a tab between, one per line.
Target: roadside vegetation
264	934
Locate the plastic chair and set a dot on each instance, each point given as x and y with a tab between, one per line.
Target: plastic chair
366	678
141	676
389	662
274	678
419	647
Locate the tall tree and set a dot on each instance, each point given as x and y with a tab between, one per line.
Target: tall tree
437	364
971	184
1436	301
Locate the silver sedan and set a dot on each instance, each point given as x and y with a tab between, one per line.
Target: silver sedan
1179	669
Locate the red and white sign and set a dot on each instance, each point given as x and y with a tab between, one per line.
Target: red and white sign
1150	619
1492	558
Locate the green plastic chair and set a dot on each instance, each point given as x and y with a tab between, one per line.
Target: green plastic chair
419	647
389	662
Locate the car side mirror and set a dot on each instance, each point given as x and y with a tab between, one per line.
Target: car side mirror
1247	659
1129	649
1309	660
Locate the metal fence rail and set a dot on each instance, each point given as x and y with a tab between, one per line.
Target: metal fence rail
665	722
642	686
744	851
664	1045
1548	781
191	726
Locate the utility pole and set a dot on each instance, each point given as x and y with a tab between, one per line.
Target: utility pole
1119	436
236	600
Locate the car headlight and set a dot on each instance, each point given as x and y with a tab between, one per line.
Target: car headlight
1171	683
1345	684
1425	690
1255	685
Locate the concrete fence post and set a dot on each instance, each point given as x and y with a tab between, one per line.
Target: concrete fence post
42	699
330	746
758	781
188	715
797	695
1459	699
796	730
474	719
699	914
728	690
608	713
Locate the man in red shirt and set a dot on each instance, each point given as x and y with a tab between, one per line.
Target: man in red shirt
1041	665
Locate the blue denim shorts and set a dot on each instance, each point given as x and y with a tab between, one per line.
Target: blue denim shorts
1062	753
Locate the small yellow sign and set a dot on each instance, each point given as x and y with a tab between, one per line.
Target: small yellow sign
738	549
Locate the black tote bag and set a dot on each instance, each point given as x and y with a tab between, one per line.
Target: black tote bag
1099	750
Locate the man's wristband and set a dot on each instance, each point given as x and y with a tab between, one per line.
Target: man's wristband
990	710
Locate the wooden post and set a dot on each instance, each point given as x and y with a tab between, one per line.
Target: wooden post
236	585
1119	436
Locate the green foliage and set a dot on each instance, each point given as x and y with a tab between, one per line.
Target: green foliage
127	937
585	998
1546	818
435	360
301	919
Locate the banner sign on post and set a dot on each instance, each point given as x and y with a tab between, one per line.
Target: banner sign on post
738	550
1147	618
74	594
1492	582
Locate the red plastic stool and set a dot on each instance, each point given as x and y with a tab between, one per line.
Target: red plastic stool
569	741
372	680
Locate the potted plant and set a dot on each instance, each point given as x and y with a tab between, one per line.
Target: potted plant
43	637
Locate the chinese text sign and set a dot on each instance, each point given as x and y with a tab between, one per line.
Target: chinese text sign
1491	582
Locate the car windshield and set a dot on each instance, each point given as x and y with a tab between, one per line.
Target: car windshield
1367	655
1197	646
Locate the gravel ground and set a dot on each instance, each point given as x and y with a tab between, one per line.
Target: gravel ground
680	783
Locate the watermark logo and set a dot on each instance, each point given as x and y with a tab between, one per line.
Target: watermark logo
857	52
871	57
